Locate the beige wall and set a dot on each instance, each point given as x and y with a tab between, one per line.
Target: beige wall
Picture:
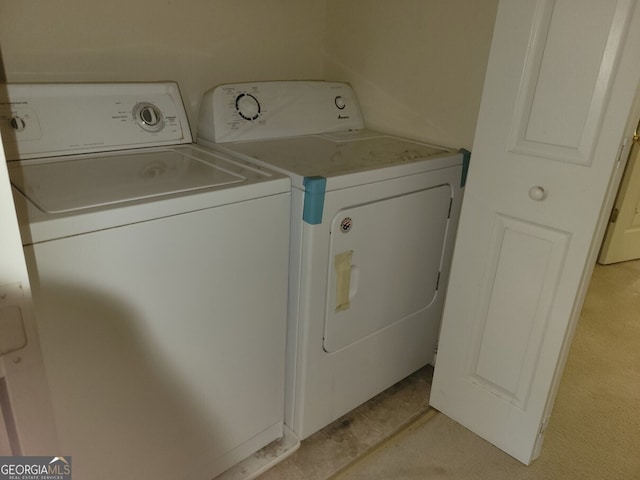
199	43
417	65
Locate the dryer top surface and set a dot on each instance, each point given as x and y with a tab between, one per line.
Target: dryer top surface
338	155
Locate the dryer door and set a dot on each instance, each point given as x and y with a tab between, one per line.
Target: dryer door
385	259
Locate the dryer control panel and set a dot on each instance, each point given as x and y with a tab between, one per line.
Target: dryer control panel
262	110
53	119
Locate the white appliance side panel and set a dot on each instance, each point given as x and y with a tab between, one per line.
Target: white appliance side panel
294	363
164	341
384	263
325	385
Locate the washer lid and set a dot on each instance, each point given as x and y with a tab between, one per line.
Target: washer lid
66	185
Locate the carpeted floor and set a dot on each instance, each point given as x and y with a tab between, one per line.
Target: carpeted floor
594	432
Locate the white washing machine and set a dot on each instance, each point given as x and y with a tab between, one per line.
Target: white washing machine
373	222
159	275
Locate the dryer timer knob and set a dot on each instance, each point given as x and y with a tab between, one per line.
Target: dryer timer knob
248	106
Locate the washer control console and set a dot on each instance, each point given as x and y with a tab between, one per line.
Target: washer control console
262	110
52	119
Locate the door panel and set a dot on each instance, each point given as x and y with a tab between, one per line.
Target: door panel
556	99
569	71
516	306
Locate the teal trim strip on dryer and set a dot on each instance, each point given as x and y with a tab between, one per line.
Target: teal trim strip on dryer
466	159
314	188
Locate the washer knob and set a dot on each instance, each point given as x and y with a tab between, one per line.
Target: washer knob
148	116
17	123
340	103
537	193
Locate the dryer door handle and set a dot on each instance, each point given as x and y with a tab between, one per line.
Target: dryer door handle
342	263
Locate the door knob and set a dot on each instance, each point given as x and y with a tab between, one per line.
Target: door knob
537	193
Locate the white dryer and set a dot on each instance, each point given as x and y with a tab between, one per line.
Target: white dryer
159	274
373	222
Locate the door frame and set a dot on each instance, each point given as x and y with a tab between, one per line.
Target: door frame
28	427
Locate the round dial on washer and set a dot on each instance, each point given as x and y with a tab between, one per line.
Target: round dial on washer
148	116
248	106
17	123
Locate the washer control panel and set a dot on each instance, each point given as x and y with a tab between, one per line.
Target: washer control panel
262	110
44	120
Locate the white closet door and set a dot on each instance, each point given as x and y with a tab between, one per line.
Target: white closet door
559	86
